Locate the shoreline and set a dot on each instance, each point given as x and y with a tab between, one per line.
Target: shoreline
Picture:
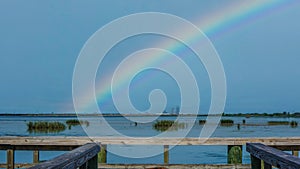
93	115
246	115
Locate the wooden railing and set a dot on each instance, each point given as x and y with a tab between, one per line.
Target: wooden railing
84	157
269	156
37	144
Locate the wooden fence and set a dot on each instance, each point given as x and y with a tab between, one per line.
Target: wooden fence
235	145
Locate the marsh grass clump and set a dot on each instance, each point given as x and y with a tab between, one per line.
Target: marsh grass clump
226	122
45	127
234	155
75	122
164	125
274	123
293	124
202	122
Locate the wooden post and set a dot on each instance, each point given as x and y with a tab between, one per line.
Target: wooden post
267	166
295	153
36	156
84	166
93	163
166	154
255	162
102	155
10	158
235	154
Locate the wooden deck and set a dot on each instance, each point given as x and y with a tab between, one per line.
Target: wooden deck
36	144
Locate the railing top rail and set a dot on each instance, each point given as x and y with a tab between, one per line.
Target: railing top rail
273	156
78	141
72	159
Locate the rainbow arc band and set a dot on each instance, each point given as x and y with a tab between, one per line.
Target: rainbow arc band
95	49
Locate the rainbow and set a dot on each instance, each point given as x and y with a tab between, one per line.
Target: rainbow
214	24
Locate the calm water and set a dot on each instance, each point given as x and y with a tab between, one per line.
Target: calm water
16	126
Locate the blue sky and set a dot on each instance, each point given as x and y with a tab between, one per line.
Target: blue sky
40	42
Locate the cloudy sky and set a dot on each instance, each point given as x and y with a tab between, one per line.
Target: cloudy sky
257	42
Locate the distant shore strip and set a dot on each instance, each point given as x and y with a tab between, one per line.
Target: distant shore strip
283	114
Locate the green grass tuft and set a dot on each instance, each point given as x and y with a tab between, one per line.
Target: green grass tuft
273	123
75	122
226	122
293	124
164	125
202	122
45	127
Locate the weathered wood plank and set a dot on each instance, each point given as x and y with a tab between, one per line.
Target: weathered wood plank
169	166
45	147
23	165
286	147
176	166
72	159
73	142
273	156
